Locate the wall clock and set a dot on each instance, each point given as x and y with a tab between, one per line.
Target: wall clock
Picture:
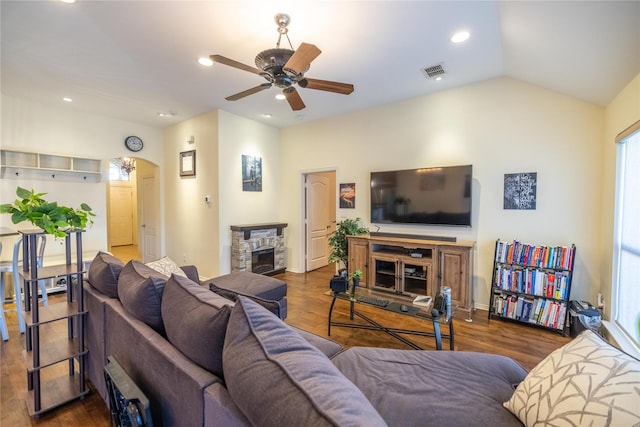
133	143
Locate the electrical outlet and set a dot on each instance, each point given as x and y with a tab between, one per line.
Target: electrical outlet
184	258
600	302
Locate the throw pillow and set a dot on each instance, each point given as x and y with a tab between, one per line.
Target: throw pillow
195	320
272	306
104	272
587	382
140	291
166	266
263	356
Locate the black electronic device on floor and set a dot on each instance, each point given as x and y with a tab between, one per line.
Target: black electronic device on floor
129	406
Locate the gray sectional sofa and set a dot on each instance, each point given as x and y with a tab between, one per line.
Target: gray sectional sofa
205	360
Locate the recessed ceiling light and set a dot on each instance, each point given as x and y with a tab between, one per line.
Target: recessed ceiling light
267	115
460	37
207	62
280	97
170	113
68	1
67	99
438	78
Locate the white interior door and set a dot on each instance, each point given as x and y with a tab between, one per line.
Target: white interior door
149	211
120	214
320	197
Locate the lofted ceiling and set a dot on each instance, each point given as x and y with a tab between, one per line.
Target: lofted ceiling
135	59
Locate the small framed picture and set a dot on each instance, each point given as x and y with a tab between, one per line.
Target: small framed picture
251	173
348	196
520	190
188	163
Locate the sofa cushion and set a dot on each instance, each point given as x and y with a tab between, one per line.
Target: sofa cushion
166	266
104	272
435	388
232	295
248	283
585	382
263	356
140	291
195	320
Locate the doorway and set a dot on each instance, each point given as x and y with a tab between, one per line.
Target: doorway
133	210
320	217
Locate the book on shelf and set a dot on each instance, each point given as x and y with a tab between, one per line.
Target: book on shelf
552	257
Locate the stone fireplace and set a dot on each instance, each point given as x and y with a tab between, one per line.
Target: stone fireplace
258	248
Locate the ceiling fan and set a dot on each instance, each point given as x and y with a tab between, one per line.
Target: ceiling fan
284	68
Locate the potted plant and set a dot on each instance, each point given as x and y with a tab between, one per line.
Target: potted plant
355	278
49	216
338	239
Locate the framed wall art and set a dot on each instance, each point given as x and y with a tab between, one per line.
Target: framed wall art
520	190
188	163
251	173
348	196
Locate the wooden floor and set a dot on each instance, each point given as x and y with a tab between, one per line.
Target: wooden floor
308	309
126	252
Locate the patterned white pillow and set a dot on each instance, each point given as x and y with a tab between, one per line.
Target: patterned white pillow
166	266
587	382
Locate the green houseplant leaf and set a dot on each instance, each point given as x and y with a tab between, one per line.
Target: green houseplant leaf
49	216
338	239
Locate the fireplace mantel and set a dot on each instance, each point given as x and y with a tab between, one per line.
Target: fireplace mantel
247	228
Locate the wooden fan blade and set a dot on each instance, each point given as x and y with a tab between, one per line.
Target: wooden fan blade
235	64
293	98
302	57
248	92
329	86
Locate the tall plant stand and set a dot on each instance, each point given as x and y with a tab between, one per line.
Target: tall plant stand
45	351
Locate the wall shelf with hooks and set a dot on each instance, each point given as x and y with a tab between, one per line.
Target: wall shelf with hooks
26	165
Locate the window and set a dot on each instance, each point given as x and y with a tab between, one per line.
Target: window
116	173
626	250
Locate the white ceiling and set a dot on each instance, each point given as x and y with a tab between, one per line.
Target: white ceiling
135	59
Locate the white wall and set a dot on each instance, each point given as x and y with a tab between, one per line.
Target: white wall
499	126
191	224
63	130
238	136
622	112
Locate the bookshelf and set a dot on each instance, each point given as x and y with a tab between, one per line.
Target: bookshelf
531	284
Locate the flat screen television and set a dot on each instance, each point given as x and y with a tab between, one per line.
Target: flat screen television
432	196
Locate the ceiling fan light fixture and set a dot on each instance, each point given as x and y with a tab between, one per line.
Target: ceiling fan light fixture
285	69
207	62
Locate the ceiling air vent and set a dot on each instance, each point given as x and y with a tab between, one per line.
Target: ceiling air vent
434	71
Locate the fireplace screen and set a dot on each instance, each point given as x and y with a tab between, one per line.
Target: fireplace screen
262	260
